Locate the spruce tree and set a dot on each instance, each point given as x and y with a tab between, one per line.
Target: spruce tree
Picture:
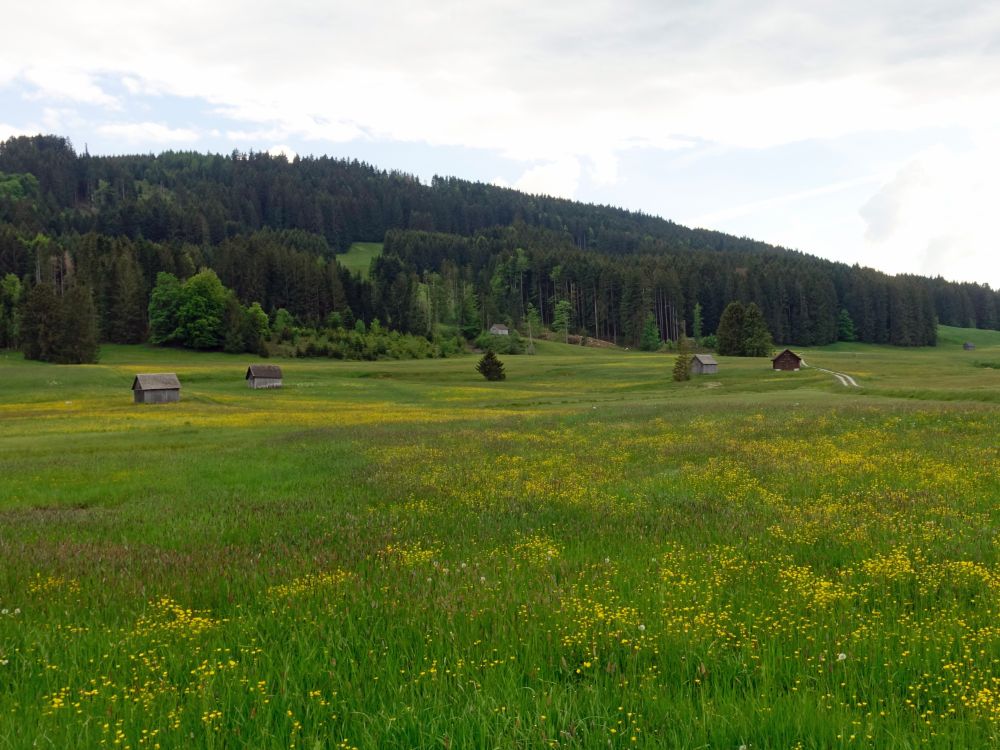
78	340
41	320
490	367
845	327
650	340
730	331
560	320
757	341
682	364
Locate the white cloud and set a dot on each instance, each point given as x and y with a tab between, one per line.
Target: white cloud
148	132
282	150
579	79
559	178
10	131
937	216
65	83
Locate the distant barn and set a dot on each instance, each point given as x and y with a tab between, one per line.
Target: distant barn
263	376
704	364
968	346
787	360
499	329
156	388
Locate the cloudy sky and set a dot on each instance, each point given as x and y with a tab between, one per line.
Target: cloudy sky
861	130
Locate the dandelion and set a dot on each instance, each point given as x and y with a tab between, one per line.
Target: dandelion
841	656
642	628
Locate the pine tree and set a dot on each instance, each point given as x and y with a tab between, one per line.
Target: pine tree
698	323
682	364
490	367
730	332
757	341
78	340
41	320
10	299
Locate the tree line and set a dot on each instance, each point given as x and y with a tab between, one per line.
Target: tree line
457	255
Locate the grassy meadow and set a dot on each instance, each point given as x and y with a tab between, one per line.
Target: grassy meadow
586	555
359	256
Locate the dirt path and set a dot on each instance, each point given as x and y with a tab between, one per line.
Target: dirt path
845	379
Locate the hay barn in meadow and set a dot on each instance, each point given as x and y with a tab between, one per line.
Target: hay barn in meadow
968	346
787	360
704	364
263	376
499	329
156	388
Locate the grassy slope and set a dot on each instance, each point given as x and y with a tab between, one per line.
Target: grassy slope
403	555
359	257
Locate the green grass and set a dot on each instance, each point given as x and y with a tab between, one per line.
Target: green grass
400	554
359	256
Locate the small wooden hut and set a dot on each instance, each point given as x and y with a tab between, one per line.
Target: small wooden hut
263	376
499	329
968	346
704	364
787	360
156	388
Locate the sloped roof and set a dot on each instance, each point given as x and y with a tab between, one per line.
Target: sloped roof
159	381
499	327
263	371
705	359
787	351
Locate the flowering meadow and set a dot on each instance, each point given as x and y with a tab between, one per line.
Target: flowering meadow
586	555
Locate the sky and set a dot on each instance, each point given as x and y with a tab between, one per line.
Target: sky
861	131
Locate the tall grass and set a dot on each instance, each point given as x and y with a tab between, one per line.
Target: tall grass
587	555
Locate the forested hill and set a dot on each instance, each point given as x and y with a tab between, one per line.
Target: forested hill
457	254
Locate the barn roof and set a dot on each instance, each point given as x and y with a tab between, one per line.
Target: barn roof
705	359
159	381
787	351
263	371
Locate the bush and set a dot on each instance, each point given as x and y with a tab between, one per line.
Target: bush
510	344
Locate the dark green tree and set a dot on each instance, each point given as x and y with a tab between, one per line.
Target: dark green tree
78	340
10	300
41	323
490	367
682	363
757	341
730	331
698	323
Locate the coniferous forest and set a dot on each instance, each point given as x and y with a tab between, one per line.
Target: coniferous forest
223	252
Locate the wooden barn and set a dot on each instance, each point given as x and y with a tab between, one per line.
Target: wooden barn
704	364
156	388
499	329
968	346
263	376
787	360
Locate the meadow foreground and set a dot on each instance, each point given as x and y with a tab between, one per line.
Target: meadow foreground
399	554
